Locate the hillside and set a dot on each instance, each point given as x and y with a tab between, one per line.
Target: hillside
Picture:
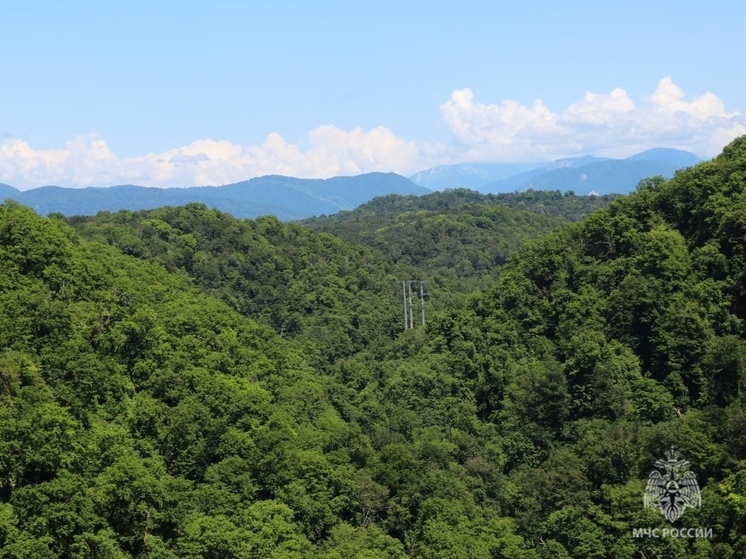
602	345
141	416
287	198
274	272
335	297
612	339
550	203
457	239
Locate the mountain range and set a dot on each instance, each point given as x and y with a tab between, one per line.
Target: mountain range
468	175
287	198
291	198
584	175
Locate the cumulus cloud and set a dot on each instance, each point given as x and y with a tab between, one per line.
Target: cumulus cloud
498	132
327	151
605	124
610	124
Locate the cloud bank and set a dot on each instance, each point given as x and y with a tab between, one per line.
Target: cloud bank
609	124
328	151
606	124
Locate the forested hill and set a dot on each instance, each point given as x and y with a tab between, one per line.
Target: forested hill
547	202
338	295
140	416
610	340
455	239
337	298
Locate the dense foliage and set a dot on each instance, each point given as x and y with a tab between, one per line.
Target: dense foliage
457	239
143	416
335	297
378	210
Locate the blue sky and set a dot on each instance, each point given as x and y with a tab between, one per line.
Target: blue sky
178	93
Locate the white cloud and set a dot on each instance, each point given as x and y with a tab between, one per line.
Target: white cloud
498	132
327	151
600	124
609	124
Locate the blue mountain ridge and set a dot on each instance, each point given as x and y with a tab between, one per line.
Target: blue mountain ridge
291	198
468	175
288	198
7	191
582	174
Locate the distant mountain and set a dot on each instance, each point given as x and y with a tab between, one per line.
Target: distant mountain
291	198
605	177
520	181
602	176
468	175
7	191
571	162
287	198
676	157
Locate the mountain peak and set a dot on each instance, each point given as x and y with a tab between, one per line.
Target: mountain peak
583	174
677	157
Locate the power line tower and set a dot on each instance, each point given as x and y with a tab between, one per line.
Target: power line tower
409	303
422	301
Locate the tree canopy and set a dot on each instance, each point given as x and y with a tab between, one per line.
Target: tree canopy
178	383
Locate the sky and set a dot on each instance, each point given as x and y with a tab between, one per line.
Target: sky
165	93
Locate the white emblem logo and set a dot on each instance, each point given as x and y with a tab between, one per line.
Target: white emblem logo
672	487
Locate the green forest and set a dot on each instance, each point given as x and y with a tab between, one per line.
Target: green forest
179	383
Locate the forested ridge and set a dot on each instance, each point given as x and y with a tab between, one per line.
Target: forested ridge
177	383
457	239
